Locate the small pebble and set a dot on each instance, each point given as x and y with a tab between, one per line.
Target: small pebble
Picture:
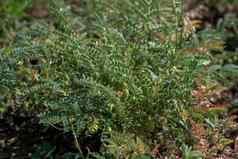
236	144
29	154
2	143
17	128
13	154
11	141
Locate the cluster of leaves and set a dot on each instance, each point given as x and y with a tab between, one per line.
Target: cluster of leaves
219	37
112	73
10	12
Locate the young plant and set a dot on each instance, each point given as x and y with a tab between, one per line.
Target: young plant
112	74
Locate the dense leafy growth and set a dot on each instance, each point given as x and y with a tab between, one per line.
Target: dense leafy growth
120	69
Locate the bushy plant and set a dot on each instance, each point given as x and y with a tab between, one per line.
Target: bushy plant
113	73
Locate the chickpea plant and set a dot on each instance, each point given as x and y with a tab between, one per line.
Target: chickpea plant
112	73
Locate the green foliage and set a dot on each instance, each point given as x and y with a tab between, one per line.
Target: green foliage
10	12
44	151
188	153
111	74
123	145
15	7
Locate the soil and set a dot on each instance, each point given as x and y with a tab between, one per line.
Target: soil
21	135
